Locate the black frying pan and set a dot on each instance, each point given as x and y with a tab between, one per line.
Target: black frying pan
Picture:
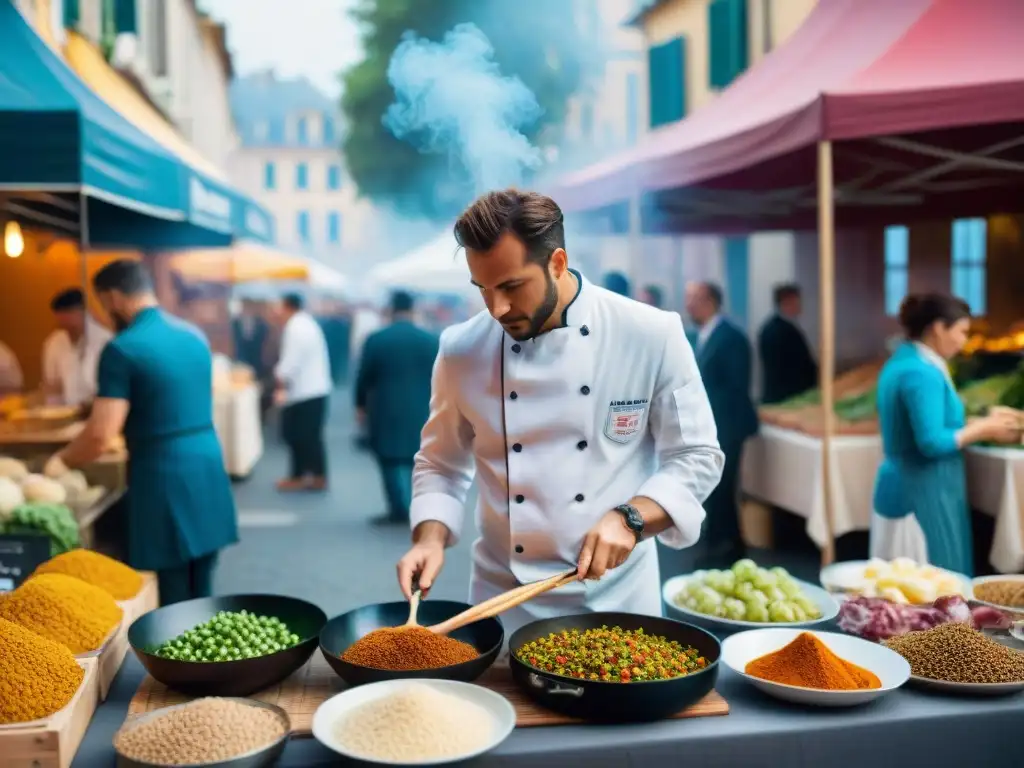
225	678
342	631
616	702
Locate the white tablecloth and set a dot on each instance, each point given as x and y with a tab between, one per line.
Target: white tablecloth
783	468
236	417
995	485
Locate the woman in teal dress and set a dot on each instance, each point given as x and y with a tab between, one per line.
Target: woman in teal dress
155	384
920	499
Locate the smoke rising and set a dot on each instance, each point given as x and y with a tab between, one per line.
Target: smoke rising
451	98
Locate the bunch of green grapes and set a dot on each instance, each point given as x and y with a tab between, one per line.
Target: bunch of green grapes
746	592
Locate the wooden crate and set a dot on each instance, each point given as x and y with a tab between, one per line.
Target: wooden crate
147	600
52	743
111	658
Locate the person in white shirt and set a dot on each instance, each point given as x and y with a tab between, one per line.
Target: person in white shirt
583	415
303	376
71	354
11	378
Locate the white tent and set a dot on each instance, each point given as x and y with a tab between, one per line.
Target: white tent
437	266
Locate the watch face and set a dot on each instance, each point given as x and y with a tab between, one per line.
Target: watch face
633	518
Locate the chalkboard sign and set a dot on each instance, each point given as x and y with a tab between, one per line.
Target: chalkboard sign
19	556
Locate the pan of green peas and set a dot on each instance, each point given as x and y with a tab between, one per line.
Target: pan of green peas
234	645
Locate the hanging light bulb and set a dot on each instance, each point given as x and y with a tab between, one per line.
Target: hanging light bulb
14	240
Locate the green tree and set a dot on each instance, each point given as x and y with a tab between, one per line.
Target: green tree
534	40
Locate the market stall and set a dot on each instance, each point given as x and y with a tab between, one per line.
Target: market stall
236	416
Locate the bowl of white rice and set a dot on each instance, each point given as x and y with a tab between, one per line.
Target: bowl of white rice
414	722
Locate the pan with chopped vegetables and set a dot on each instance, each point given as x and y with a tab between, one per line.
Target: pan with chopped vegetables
616	667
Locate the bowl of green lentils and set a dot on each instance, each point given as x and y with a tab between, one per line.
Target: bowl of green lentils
233	645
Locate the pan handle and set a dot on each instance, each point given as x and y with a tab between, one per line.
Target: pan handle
556	689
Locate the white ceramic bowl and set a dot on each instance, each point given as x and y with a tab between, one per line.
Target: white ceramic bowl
999	577
848	577
891	668
328	714
827	605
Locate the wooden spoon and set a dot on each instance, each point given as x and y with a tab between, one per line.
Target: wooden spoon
414	606
503	602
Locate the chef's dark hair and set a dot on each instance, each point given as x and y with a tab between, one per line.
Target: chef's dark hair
535	219
293	301
402	301
785	291
920	311
66	300
125	275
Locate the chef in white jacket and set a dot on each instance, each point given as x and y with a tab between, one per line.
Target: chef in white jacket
581	411
71	354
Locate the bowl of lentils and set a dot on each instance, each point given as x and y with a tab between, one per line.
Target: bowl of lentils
227	646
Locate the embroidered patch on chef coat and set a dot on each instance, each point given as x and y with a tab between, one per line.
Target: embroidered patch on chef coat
625	419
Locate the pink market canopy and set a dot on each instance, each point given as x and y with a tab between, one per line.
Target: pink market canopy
923	99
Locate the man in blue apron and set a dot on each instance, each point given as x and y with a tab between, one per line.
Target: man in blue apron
155	385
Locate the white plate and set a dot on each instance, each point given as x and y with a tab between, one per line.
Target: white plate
999	577
967	689
826	604
329	713
891	668
849	577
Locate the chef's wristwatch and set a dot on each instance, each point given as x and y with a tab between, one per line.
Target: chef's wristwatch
634	521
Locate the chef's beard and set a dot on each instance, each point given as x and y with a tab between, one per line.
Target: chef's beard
542	314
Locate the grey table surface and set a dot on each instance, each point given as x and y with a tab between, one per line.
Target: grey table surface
908	728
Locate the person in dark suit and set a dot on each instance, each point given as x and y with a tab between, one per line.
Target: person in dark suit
251	332
393	401
724	358
788	366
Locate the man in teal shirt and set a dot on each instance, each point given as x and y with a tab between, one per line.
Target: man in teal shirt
155	384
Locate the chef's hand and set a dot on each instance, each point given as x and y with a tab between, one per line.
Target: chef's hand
279	397
424	561
607	546
55	466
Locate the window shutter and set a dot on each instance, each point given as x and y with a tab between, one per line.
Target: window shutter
72	14
125	21
737	278
727	41
667	64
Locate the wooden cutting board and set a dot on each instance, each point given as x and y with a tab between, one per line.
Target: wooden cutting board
307	689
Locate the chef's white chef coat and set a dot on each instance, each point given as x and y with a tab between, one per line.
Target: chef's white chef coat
74	365
561	429
304	366
11	377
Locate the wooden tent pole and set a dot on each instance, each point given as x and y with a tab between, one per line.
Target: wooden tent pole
827	334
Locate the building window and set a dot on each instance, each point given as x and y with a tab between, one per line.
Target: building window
156	34
276	134
666	65
969	256
301	176
302	131
269	176
328	131
632	107
334	227
334	177
302	226
897	259
727	43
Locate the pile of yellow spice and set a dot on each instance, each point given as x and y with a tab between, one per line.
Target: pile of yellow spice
63	609
116	578
38	677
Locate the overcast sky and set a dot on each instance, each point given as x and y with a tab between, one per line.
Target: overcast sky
314	38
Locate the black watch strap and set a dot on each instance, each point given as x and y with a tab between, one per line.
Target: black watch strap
633	519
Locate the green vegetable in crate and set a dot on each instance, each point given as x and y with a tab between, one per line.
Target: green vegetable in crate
979	396
1013	395
53	520
858	407
747	592
230	636
810	397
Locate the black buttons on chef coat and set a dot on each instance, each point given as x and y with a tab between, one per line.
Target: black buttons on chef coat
520	498
517	447
581	445
584	331
584	390
517	349
579	497
519	549
513	395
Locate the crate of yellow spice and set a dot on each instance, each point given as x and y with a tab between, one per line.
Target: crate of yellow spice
82	617
47	698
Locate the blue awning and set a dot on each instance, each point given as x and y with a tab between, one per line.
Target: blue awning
59	137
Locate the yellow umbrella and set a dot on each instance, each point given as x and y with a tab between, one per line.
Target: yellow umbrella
242	263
